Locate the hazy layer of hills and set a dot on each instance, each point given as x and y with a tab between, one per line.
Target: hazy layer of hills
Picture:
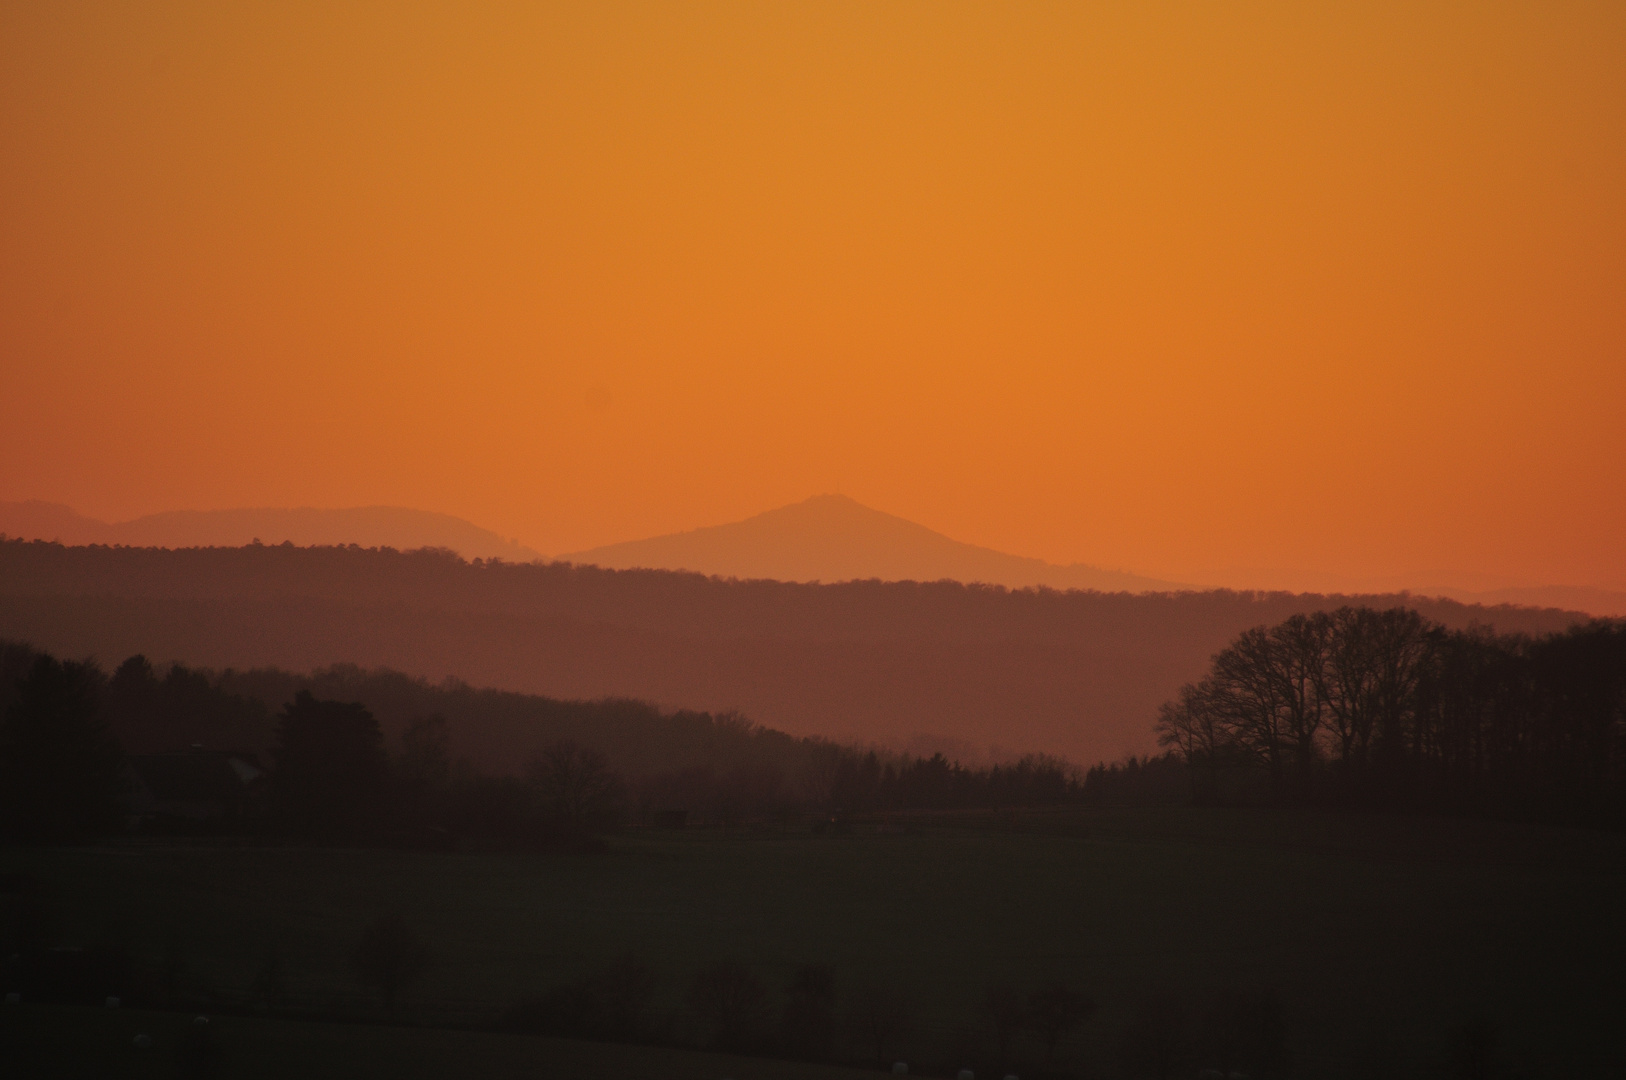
1601	602
832	538
903	663
1470	588
827	538
369	526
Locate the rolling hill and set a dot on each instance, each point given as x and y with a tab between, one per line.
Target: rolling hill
828	538
832	538
976	669
369	526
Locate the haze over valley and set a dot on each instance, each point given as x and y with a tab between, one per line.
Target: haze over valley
826	538
1078	674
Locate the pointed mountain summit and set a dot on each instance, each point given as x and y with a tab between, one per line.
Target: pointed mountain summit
369	526
833	538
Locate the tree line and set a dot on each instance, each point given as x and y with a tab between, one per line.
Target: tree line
1385	708
1356	706
73	740
1074	673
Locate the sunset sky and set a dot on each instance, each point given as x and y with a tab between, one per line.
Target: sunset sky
1191	290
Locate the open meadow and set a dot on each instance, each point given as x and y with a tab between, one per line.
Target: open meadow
1382	938
58	1042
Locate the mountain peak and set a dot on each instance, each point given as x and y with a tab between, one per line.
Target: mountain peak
833	537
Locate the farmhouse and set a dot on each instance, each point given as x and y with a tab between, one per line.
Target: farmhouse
196	788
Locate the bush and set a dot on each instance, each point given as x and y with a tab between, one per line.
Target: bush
730	1003
389	958
61	770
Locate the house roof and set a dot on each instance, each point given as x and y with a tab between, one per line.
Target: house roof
200	776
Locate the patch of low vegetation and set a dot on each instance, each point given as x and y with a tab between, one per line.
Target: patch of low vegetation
61	1042
839	906
1068	942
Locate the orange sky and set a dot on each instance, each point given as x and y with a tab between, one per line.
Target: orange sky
1167	288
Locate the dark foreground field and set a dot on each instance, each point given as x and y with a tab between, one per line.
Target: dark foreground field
45	1042
1381	937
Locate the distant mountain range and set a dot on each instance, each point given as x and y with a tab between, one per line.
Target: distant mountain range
831	538
827	538
369	526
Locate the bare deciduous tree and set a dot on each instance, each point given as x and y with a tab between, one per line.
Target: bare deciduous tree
880	1015
1157	1040
574	783
731	1002
1054	1010
389	958
1006	1012
426	751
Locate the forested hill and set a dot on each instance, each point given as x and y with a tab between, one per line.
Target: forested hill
168	711
1074	673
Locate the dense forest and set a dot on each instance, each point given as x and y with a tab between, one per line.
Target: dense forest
449	764
1361	706
916	666
1356	707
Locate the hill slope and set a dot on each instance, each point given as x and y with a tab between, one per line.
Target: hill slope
1077	673
832	538
369	526
1605	603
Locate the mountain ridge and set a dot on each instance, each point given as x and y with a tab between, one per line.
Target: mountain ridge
1076	673
370	526
830	538
826	538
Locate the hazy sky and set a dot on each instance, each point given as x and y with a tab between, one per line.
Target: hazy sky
1162	287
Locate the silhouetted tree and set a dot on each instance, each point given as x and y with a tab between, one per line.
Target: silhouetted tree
30	923
1299	653
132	694
15	662
1382	707
169	714
1156	1041
575	785
270	990
1475	1051
197	1055
61	772
426	759
1241	1032
175	973
625	990
330	767
880	1015
570	1010
1005	1011
388	959
808	1025
1141	781
731	1003
821	773
1053	1011
111	961
421	776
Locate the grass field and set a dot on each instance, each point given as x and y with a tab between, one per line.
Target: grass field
1380	935
46	1042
